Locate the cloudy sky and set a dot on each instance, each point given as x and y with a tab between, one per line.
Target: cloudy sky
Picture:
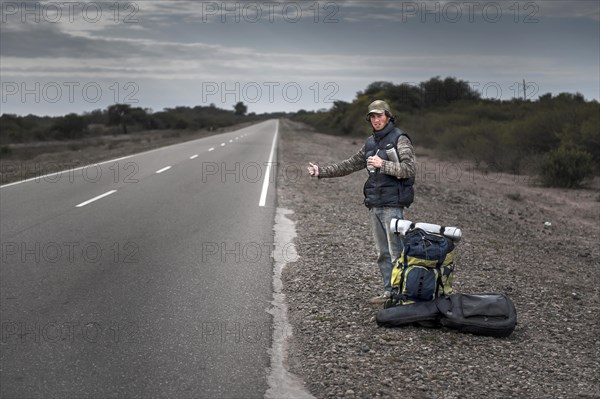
61	57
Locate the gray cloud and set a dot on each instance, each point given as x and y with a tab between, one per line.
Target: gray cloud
400	11
171	51
50	41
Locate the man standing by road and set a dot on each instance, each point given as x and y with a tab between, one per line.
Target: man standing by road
389	157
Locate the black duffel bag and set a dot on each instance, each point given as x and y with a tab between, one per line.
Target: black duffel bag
425	314
489	314
482	314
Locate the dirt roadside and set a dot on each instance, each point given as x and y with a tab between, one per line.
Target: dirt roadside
538	245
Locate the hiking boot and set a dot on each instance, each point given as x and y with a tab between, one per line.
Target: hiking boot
381	298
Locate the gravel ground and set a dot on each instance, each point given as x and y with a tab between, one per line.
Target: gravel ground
550	272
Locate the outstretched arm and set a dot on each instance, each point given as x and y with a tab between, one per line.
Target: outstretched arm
354	163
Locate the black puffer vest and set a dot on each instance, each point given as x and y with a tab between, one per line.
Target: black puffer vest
383	190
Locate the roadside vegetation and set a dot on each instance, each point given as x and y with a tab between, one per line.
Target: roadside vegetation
556	138
118	119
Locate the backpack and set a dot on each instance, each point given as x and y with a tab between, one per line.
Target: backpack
425	268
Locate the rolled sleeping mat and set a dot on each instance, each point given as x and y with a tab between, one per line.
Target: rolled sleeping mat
402	226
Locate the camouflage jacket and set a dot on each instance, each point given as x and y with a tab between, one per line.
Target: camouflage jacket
403	170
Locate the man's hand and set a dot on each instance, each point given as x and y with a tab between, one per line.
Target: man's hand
375	161
313	169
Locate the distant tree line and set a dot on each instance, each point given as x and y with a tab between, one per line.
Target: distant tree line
557	137
118	119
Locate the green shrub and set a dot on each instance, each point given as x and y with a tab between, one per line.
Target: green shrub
566	167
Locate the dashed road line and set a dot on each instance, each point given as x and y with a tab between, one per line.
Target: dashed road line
96	198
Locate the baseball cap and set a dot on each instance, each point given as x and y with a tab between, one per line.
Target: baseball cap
378	107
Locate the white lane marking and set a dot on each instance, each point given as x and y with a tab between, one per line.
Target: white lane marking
163	169
231	141
194	156
222	144
265	187
96	198
211	149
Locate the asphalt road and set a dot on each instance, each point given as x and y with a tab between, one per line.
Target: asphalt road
158	287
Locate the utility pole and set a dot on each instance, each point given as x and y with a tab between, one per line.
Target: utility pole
524	90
